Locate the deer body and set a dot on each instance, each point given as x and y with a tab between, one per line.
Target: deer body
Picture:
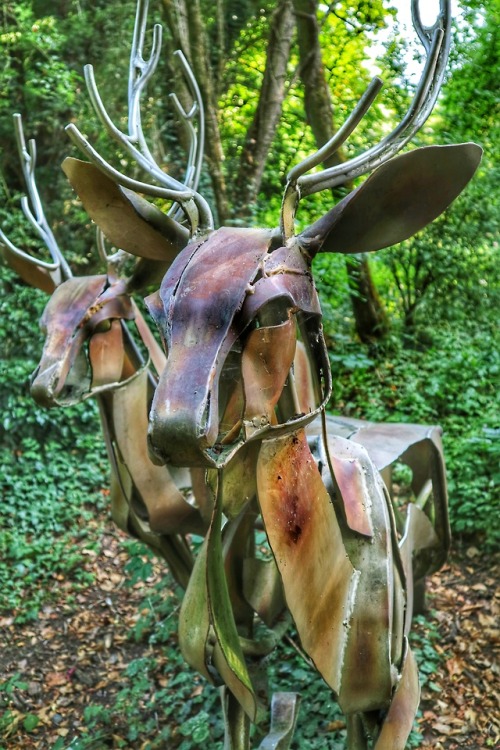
331	530
88	353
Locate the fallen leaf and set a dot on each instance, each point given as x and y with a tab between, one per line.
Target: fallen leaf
472	552
54	679
455	666
441	728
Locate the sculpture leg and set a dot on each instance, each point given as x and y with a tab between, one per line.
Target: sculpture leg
399	720
284	713
236	722
356	737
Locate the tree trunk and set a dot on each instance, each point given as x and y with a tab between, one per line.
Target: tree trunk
317	98
370	318
262	130
188	30
369	314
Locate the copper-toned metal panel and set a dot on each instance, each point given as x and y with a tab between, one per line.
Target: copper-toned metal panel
263	589
106	355
200	328
399	720
286	273
419	536
195	639
267	358
368	677
128	221
168	509
351	482
207	630
397	200
30	272
304	382
318	578
420	448
62	320
76	312
240	486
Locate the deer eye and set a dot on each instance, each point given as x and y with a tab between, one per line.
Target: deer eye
103	327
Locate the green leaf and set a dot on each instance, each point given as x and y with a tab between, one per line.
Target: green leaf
31	721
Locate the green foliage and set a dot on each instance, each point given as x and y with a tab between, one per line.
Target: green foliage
424	637
163	699
44	48
452	265
8	718
52	469
187	710
451	381
36	75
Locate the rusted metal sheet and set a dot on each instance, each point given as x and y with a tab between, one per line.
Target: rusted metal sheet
201	300
371	647
64	321
128	221
305	536
207	630
396	201
398	723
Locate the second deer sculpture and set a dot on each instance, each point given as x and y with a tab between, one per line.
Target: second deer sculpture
90	353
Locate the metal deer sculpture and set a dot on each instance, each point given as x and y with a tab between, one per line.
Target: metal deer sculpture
241	397
89	352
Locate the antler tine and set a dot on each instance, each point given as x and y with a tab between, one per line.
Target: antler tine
143	156
293	188
141	71
192	203
341	135
426	33
436	42
34	213
196	137
31	204
112	260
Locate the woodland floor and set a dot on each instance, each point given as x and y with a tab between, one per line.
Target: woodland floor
78	648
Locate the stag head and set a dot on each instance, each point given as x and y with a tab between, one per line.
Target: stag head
233	305
87	349
237	309
84	349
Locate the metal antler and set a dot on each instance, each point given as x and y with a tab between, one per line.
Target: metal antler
184	194
58	269
436	42
196	138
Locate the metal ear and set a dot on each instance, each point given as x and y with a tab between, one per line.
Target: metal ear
396	201
128	221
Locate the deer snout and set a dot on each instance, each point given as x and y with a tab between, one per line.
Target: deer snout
177	439
180	429
44	384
